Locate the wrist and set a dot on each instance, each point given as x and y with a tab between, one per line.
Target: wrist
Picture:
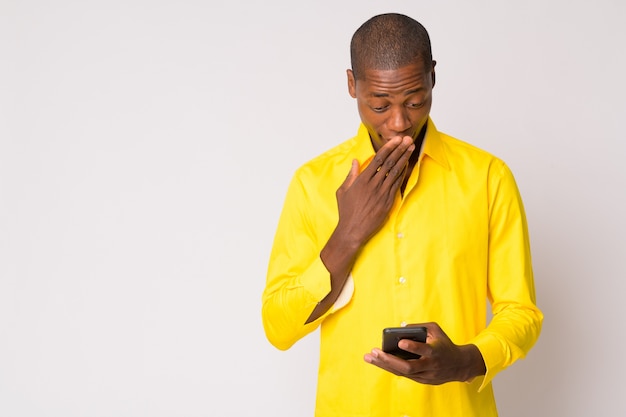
474	364
341	246
348	237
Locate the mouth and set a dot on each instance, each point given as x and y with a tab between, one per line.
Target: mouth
413	136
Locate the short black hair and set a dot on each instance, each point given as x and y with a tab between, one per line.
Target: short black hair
389	41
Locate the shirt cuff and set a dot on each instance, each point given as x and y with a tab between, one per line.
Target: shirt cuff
345	296
491	351
316	281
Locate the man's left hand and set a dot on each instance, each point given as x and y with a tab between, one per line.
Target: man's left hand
441	360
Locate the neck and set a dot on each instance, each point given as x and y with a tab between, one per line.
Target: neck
419	139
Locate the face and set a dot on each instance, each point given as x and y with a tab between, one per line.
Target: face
393	102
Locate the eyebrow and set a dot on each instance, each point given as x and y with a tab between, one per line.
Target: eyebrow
406	93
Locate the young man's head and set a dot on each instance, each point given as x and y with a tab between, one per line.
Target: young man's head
392	76
389	41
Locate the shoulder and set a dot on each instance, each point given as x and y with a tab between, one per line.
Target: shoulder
459	148
329	165
463	155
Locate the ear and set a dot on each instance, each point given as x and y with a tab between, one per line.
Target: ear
432	73
351	83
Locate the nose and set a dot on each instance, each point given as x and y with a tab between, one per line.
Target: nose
398	121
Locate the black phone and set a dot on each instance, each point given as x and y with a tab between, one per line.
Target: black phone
392	335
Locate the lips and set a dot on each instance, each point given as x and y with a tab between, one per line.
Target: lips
387	139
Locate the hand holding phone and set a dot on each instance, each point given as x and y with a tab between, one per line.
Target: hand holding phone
392	335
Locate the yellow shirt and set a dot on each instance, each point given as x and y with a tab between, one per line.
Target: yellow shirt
457	238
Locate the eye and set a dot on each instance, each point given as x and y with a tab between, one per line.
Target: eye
379	109
416	105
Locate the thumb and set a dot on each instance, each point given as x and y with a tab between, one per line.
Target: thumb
352	175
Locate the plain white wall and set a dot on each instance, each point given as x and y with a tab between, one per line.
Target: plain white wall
145	149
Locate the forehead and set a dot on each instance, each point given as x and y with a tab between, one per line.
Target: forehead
407	79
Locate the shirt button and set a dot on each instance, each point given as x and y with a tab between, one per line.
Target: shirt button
400	235
402	280
403	324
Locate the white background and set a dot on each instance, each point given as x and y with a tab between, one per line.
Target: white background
145	149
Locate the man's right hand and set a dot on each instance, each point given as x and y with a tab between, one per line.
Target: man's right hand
365	199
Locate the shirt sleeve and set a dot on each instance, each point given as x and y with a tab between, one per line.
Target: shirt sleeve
297	279
516	320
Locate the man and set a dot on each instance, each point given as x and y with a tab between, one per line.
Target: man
423	230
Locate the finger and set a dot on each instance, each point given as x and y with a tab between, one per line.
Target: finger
413	346
433	331
399	169
381	156
395	163
389	362
352	175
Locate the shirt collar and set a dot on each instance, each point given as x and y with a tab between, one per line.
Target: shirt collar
433	145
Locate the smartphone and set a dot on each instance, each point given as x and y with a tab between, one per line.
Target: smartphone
392	335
